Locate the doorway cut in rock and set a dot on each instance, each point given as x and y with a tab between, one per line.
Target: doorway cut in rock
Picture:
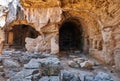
70	36
18	34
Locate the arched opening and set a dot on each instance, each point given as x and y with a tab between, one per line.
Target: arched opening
18	34
70	36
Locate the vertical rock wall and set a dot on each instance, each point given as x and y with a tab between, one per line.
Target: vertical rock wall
99	19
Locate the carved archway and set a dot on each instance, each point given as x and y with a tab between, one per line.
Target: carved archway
71	35
18	33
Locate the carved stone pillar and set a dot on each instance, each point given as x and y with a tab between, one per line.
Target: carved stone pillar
6	38
93	44
98	45
10	38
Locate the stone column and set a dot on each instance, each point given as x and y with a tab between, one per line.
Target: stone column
90	43
86	46
93	44
98	44
54	45
10	38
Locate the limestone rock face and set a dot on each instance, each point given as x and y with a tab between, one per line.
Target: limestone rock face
40	3
2	21
41	17
97	20
38	44
8	11
117	59
54	46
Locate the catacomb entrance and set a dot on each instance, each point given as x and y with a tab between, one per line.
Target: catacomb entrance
70	36
18	34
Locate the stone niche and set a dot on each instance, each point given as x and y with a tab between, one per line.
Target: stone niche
18	33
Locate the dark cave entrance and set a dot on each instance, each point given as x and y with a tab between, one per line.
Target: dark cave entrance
20	32
70	36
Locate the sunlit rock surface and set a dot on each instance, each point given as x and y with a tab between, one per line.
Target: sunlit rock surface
98	22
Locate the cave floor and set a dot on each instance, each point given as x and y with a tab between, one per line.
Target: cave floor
98	67
23	58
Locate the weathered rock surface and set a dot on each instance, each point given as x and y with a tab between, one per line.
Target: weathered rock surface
50	66
37	45
99	19
2	39
51	78
37	68
117	59
23	75
86	64
33	64
9	63
44	78
45	67
98	22
54	46
101	76
89	78
73	64
68	76
80	63
79	60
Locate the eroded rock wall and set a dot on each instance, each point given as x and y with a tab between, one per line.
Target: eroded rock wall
98	18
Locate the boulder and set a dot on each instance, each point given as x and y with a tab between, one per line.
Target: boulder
77	52
68	76
36	77
54	78
51	78
33	64
7	52
89	78
26	72
101	76
50	66
10	73
78	60
24	75
25	59
9	63
46	78
73	64
86	65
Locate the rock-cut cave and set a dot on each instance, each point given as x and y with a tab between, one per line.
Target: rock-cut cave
59	40
18	33
70	36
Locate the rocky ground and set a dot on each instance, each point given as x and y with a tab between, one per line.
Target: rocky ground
75	66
